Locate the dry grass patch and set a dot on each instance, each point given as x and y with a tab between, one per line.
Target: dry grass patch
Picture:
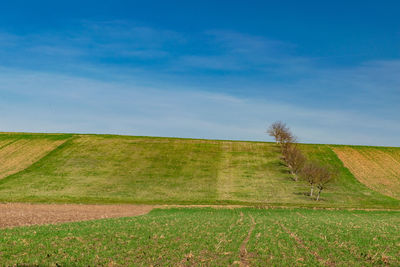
18	154
378	168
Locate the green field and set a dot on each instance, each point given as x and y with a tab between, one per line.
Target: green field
213	237
123	169
102	169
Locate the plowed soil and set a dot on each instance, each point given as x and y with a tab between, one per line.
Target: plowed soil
20	214
376	168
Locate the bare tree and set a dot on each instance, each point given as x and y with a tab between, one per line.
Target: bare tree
295	160
278	130
317	175
282	134
287	141
326	175
310	173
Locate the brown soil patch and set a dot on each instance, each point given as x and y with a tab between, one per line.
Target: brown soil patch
377	169
16	155
20	214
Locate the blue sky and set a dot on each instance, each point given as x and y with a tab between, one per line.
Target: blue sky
203	69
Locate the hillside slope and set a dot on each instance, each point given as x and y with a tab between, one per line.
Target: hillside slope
19	151
122	169
376	167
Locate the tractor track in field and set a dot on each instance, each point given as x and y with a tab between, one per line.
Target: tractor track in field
300	243
244	261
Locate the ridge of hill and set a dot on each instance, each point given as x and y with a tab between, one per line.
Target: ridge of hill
74	168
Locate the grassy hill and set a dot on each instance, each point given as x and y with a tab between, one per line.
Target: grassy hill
123	169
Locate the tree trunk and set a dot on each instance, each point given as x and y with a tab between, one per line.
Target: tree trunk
293	173
319	192
312	189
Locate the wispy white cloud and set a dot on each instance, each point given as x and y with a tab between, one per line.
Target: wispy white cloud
8	39
92	42
232	51
119	77
60	103
49	50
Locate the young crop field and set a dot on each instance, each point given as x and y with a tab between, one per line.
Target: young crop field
213	237
102	169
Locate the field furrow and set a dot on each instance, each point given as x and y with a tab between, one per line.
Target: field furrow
378	168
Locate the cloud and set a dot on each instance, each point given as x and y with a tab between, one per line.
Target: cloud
112	42
124	44
250	45
236	52
58	103
120	77
8	39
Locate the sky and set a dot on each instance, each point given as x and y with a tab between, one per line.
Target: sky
203	69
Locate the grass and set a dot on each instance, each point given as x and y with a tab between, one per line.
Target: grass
18	151
212	237
104	169
124	169
346	188
376	167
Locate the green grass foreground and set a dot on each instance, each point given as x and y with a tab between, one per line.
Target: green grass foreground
212	237
123	169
